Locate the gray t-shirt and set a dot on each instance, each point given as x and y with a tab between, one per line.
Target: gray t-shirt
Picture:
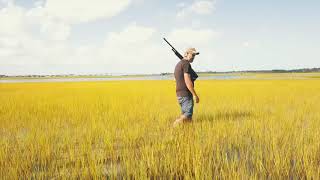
182	67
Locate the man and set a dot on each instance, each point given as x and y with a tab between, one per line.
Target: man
186	94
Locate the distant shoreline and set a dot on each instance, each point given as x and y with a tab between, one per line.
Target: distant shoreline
206	73
202	76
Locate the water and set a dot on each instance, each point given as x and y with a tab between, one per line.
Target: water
155	77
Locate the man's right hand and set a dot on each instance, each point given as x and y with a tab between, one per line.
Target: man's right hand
196	98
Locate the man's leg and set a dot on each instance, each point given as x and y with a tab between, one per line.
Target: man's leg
186	104
185	118
182	119
188	109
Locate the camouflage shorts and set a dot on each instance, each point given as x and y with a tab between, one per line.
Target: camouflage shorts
186	104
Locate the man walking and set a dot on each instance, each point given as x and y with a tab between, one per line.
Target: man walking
186	94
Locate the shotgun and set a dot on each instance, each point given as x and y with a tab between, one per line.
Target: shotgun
174	50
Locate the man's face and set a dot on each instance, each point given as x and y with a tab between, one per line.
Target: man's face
190	57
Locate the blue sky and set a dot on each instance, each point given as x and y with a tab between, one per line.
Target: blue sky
108	36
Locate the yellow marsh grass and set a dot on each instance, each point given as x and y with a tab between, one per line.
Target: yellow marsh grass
122	129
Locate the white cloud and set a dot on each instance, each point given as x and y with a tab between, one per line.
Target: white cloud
6	2
40	35
126	51
20	22
246	44
190	36
251	44
203	7
132	34
35	38
181	4
27	36
53	19
55	30
11	19
135	45
80	11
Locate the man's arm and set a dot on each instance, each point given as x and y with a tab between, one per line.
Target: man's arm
188	81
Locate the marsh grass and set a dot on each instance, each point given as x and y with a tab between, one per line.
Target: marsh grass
242	129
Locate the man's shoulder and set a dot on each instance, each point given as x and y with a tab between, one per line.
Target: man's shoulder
180	63
185	62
